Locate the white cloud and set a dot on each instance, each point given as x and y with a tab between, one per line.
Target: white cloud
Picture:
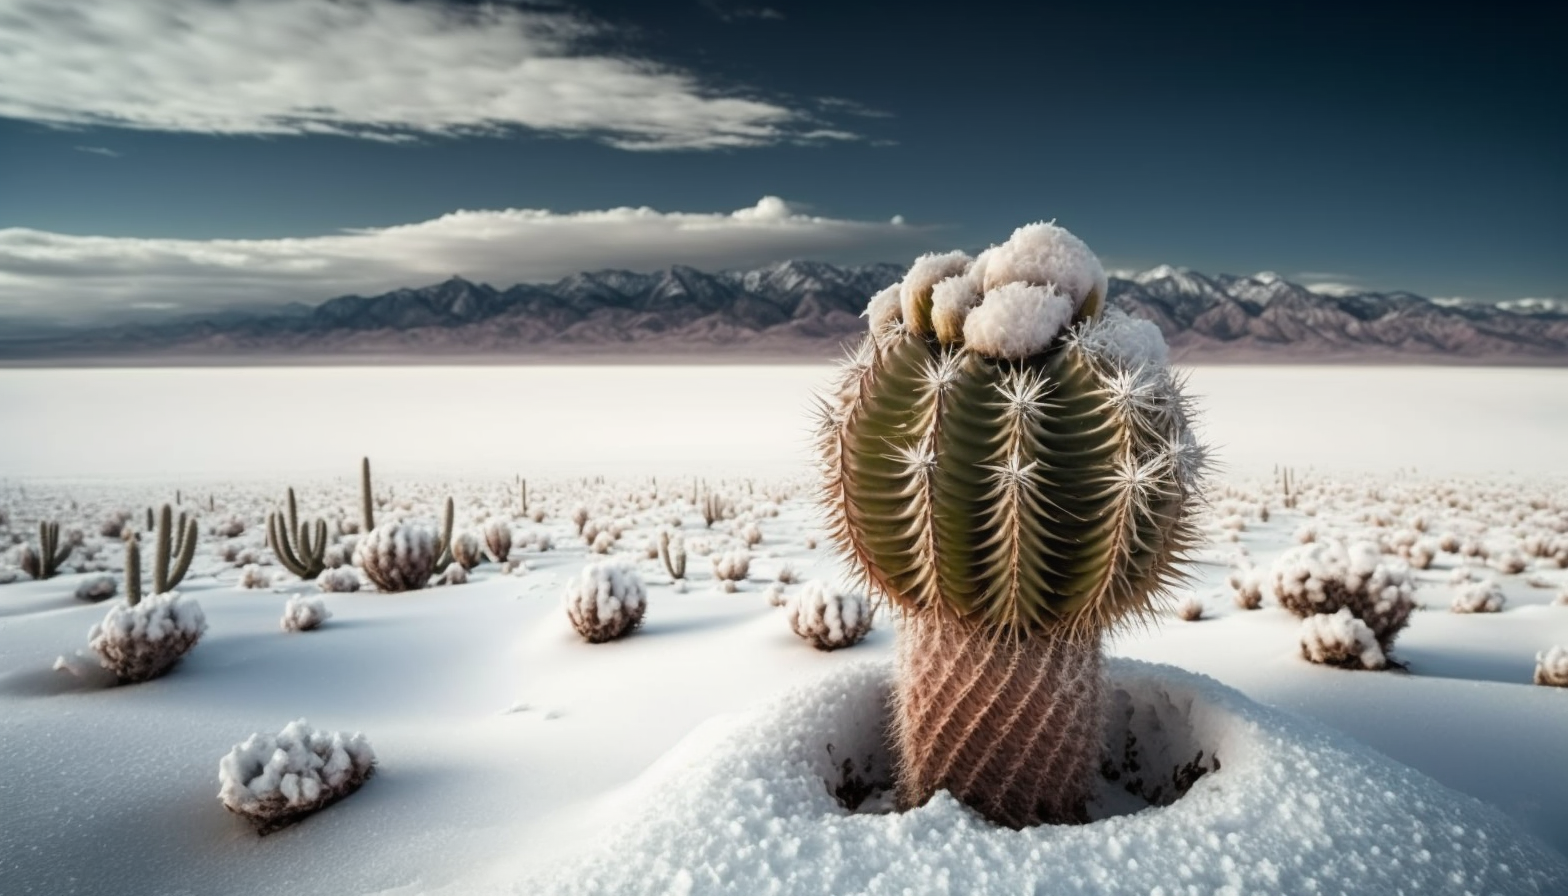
59	275
98	151
377	69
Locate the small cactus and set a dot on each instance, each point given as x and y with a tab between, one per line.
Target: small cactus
829	618
672	550
367	501
465	550
44	563
301	549
498	540
398	556
1551	667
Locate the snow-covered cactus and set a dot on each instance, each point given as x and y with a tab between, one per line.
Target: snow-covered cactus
367	500
1479	597
732	566
338	580
454	574
44	562
141	641
466	551
301	614
1323	577
605	601
274	780
1012	466
1340	639
175	544
829	618
300	548
498	540
1551	667
398	556
672	550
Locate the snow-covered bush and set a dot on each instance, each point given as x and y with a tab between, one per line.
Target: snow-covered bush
301	614
97	588
1422	553
336	556
1479	597
1508	561
603	541
1340	639
498	540
275	780
774	594
1247	582
605	601
339	580
254	577
751	533
732	566
398	556
828	617
1189	608
1325	576
787	575
466	551
1551	667
233	527
454	574
141	642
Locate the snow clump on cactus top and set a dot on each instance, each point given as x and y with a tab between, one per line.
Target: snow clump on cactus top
274	780
142	641
1012	301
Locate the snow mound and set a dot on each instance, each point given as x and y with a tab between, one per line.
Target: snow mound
1272	804
274	781
1044	254
829	618
141	642
96	589
338	580
301	614
1017	320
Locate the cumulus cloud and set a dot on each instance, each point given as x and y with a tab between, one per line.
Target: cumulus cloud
58	275
378	69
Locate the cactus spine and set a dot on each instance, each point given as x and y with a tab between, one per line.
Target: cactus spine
367	501
177	542
300	552
45	562
1014	506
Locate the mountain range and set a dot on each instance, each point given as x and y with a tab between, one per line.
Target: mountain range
807	310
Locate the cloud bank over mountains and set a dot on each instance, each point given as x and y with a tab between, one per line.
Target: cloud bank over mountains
58	276
375	69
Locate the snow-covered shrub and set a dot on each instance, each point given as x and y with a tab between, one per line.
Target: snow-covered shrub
1460	575
1247	582
1340	639
1323	577
811	543
301	614
9	574
275	780
751	533
605	601
113	525
579	517
398	556
339	580
253	576
1422	553
336	556
775	595
1479	597
1306	534
787	575
97	588
466	551
1448	543
141	642
1189	608
732	566
1508	561
603	541
454	574
828	617
498	540
1551	667
233	527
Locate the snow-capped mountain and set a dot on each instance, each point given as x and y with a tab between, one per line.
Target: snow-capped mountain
805	309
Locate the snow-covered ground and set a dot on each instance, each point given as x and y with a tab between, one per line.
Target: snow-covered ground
514	757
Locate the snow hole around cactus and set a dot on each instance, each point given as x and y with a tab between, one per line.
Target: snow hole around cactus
1200	785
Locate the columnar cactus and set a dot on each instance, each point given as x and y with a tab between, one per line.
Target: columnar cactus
301	552
1011	464
44	563
367	499
176	543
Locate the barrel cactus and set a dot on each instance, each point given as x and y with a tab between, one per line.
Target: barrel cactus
1010	462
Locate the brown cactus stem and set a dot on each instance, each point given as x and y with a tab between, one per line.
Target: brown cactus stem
1010	727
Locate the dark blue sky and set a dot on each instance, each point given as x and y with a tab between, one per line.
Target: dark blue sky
1390	147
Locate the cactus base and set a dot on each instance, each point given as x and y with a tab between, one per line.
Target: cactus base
1012	728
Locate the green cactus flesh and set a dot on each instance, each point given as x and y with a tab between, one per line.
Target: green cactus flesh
1049	493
